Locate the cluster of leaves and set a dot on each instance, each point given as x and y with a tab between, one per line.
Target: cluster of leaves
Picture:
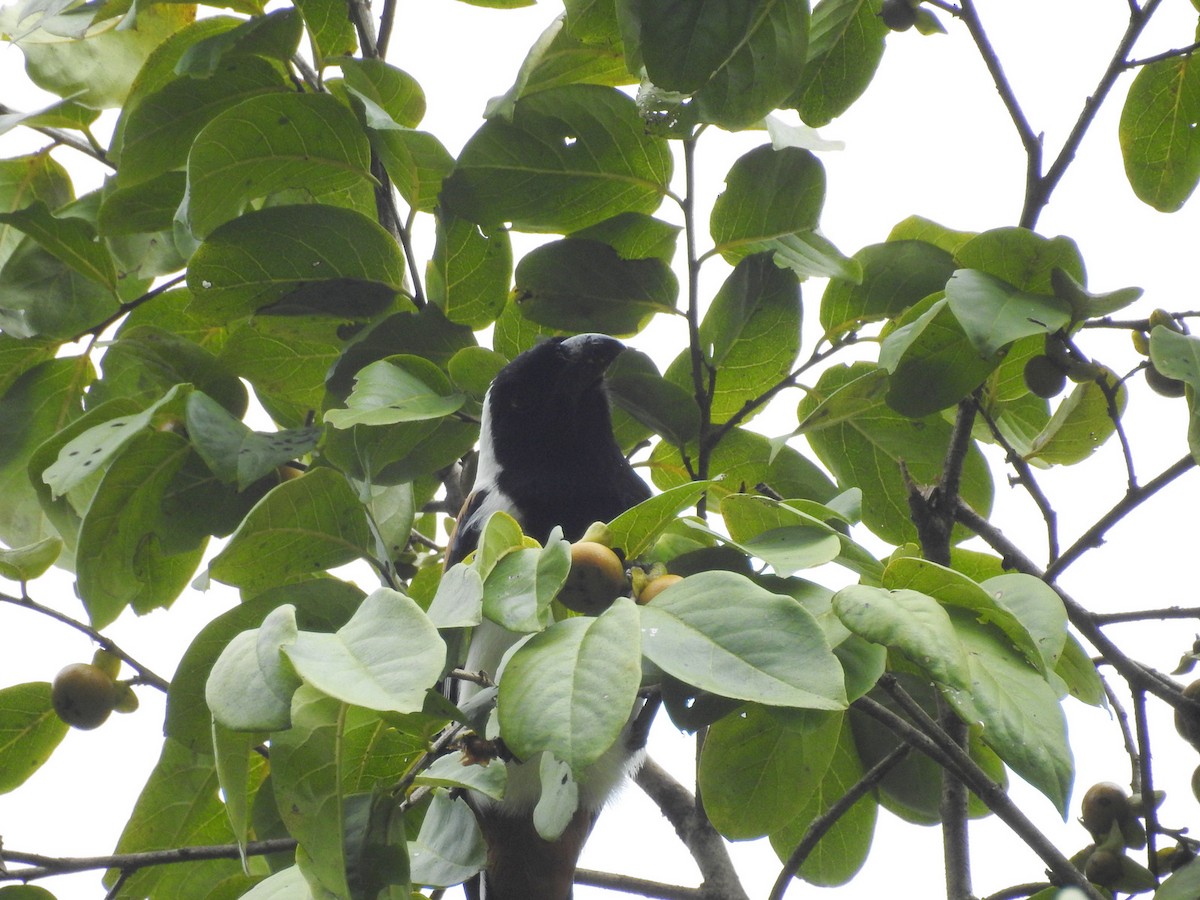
268	182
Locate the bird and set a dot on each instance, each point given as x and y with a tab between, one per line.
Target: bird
547	457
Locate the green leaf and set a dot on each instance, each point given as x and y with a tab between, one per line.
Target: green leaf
1027	610
635	236
400	389
720	632
1021	257
761	765
259	257
738	63
895	276
233	452
1079	675
865	450
331	29
636	529
519	587
384	658
306	778
449	848
469	275
274	35
268	143
746	458
415	161
29	732
558	58
472	369
1182	884
305	525
95	71
180	806
582	285
320	604
393	90
286	358
449	772
128	554
569	690
843	849
1018	711
1157	132
910	622
846	41
1081	423
86	454
158	132
932	363
70	240
662	406
570	157
146	207
28	562
25	180
42	296
250	687
993	313
751	333
769	194
1178	356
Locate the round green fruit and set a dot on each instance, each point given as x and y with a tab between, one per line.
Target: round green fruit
83	695
1044	377
1162	384
898	15
1187	721
1104	867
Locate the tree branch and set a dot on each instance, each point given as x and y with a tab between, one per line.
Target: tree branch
1133	498
144	674
41	866
822	823
697	833
928	738
627	884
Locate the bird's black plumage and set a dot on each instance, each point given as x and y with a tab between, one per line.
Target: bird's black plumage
547	454
547	457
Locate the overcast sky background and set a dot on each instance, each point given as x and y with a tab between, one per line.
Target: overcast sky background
930	137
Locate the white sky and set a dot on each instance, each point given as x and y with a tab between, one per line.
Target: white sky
931	138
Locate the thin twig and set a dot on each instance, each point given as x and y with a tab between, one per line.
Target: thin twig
144	674
42	866
1141	615
1146	779
928	738
819	826
1133	498
1127	738
64	138
627	884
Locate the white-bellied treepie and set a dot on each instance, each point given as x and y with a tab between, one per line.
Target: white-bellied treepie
547	457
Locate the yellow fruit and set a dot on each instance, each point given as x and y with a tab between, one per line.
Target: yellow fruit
596	579
656	586
109	663
83	695
1103	805
287	472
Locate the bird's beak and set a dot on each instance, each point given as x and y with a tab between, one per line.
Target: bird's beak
590	356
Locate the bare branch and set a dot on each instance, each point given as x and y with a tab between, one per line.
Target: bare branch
627	884
697	833
822	823
144	674
41	866
1133	498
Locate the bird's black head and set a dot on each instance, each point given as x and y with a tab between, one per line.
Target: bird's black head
551	394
